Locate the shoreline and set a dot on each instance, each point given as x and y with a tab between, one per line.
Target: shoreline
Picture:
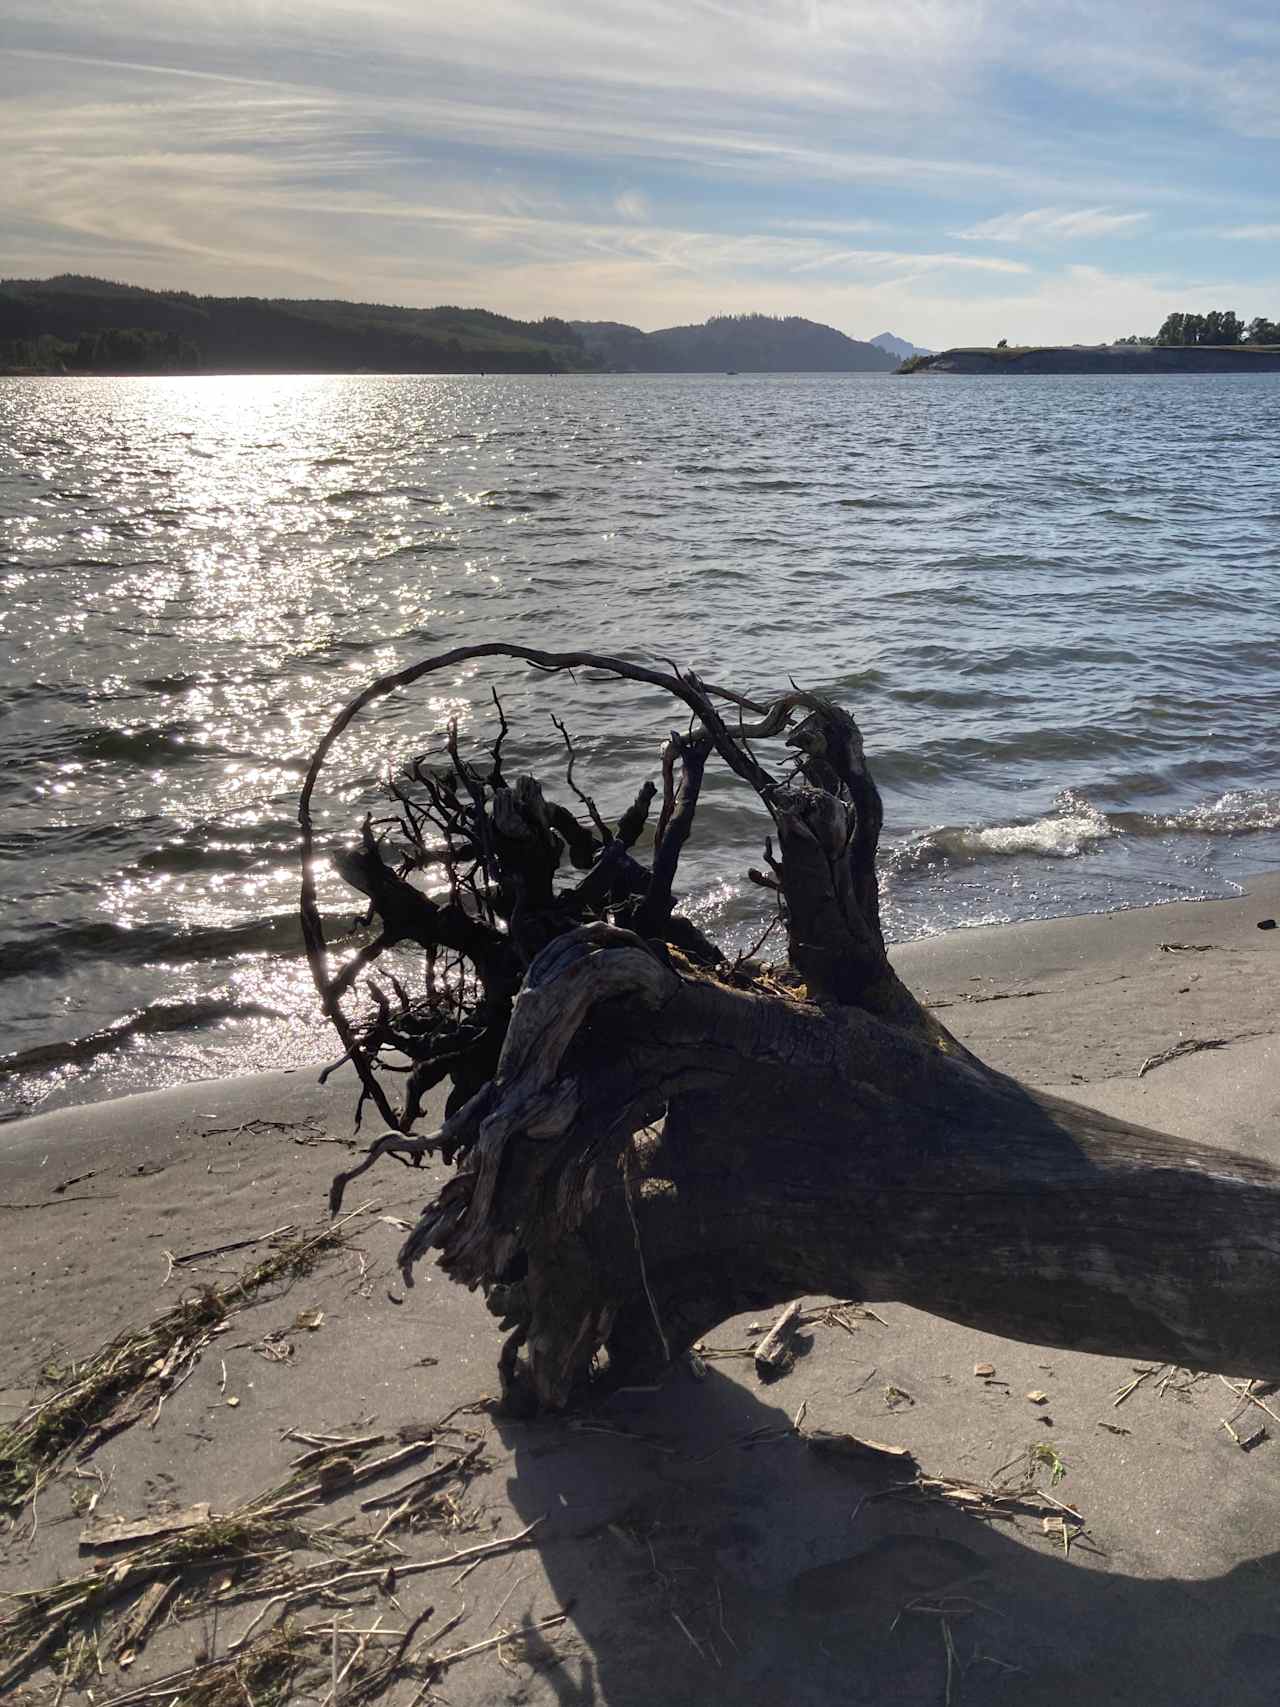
997	948
1100	359
1165	1589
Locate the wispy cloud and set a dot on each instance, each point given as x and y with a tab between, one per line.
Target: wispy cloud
632	204
654	159
1054	225
833	227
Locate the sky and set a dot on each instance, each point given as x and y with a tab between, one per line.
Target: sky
954	171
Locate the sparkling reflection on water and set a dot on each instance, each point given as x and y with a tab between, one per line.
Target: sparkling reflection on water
1052	603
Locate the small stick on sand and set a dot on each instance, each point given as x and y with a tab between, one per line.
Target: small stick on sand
773	1355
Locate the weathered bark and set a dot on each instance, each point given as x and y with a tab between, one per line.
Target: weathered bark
665	1142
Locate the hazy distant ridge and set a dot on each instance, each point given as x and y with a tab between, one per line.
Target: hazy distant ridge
899	347
741	343
86	325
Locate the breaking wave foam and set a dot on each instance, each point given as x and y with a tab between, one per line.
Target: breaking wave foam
1076	826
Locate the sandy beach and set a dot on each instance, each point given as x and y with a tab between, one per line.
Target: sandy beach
690	1543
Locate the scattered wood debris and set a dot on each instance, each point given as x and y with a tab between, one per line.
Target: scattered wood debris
1187	1046
1005	1502
115	1531
1246	1396
235	1245
845	1313
132	1376
133	1629
188	1562
829	1444
1143	1373
776	1351
1246	1443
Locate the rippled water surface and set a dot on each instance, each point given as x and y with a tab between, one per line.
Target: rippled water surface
1053	604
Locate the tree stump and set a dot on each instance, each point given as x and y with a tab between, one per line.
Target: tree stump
648	1136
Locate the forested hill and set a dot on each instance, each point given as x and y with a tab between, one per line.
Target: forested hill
742	343
83	325
89	325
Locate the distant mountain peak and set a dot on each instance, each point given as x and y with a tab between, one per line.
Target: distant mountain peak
892	345
734	343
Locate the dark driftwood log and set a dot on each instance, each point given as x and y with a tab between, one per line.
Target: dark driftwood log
662	1139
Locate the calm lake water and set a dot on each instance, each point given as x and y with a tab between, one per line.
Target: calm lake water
1052	603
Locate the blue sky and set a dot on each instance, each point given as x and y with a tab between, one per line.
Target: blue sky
955	172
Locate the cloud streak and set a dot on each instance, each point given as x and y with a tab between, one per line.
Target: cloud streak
1054	225
863	160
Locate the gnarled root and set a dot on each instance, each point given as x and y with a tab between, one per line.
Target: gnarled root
669	1137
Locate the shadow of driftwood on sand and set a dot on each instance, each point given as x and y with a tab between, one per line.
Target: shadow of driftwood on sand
710	1556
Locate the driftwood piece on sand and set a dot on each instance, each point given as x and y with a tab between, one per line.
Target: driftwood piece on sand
647	1137
774	1352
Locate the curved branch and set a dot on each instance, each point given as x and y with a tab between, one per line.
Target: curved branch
696	695
655	910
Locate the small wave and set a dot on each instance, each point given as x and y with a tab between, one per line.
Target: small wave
1076	826
772	485
351	645
69	693
56	950
350	495
160	1016
1071	830
142	744
1239	812
184	680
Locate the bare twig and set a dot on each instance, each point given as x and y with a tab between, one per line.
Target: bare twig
644	1273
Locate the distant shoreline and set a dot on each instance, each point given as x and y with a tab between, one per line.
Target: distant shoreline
439	373
1111	358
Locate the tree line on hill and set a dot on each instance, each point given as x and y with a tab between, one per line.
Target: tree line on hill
72	324
79	325
1218	327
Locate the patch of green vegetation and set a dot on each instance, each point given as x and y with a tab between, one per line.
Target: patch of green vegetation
1045	1455
80	1498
